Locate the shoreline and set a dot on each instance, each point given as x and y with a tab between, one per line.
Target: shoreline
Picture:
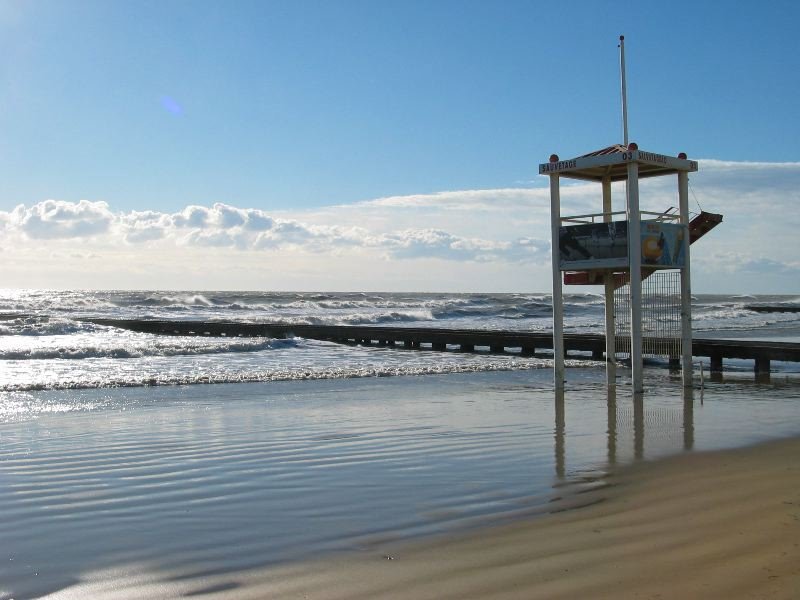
716	524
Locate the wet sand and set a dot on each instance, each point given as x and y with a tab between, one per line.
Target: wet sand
701	525
707	525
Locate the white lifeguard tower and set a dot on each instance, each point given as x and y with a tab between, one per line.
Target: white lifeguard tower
596	249
619	254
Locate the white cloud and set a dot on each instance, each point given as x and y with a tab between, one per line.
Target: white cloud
733	263
490	200
748	187
711	164
221	216
493	239
54	219
258	221
191	216
436	243
212	239
224	226
137	227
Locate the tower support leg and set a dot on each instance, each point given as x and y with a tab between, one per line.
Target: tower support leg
558	298
635	261
686	283
611	365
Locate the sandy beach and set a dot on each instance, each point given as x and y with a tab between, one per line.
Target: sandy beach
709	525
720	524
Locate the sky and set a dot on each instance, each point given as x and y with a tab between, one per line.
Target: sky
379	145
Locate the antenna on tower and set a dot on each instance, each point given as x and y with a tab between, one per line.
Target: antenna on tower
624	89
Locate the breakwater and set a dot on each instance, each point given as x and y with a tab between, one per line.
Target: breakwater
463	340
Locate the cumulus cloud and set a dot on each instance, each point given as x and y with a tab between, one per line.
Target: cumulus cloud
222	216
191	216
309	237
218	225
432	243
224	226
145	226
476	227
258	221
57	219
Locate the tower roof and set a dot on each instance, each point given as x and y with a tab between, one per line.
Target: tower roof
612	162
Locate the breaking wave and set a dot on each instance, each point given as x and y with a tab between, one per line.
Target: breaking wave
188	346
43	326
263	376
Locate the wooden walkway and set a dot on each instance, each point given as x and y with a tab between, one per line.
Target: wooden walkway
464	340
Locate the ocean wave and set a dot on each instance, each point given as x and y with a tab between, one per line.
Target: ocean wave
786	302
355	318
733	317
527	310
42	326
581	299
53	302
317	306
140	349
359	304
191	300
304	374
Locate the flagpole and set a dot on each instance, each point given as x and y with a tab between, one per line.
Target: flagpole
624	90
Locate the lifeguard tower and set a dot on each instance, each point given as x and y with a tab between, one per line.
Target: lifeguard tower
597	249
620	250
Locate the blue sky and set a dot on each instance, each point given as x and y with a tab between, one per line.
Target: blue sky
305	111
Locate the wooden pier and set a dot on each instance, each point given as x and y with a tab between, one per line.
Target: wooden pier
463	340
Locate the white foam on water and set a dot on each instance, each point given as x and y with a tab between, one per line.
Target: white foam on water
45	345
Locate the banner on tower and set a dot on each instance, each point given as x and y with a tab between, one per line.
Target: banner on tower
605	245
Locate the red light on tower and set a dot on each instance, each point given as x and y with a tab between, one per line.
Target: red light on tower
682	155
554	158
633	146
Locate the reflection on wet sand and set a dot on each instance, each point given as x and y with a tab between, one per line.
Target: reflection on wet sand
559	433
669	428
688	419
638	426
612	424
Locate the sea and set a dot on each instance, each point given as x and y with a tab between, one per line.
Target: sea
45	344
128	457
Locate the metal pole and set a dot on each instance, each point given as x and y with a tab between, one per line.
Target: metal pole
611	367
635	262
624	90
686	282
558	299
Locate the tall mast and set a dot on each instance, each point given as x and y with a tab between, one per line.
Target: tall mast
624	89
